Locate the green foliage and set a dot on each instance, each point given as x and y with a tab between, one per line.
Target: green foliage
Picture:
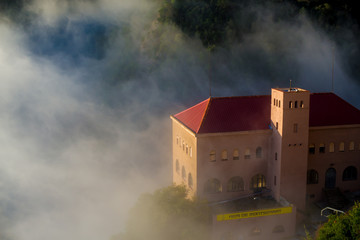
342	226
168	214
205	18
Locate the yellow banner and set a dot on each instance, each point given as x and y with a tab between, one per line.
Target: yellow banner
258	213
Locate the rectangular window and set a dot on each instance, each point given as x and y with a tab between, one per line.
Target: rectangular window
274	180
311	149
224	156
247	154
342	147
236	155
352	146
212	156
295	128
322	148
277	125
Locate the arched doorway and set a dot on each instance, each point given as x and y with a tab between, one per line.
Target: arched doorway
330	178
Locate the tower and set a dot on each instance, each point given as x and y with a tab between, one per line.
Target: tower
288	163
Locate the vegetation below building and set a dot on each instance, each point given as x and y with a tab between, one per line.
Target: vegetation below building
168	213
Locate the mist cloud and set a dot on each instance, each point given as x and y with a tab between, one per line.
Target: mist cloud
86	88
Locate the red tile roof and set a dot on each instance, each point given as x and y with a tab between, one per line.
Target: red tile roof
327	109
246	113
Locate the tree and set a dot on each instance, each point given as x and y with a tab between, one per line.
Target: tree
342	226
168	214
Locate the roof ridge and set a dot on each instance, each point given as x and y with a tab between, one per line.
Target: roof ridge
249	96
204	115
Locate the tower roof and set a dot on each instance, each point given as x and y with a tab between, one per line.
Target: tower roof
247	113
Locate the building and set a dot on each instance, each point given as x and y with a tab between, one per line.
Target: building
292	145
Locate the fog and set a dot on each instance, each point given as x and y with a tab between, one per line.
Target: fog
86	90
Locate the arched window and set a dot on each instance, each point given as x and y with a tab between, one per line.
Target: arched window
190	181
352	146
177	140
224	155
212	156
276	155
274	101
247	153
236	154
235	184
311	148
331	147
177	166
258	152
187	149
295	104
183	173
342	147
279	103
258	182
212	186
312	177
322	148
350	174
183	146
190	150
290	104
301	104
278	229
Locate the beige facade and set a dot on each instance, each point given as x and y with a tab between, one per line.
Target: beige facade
291	158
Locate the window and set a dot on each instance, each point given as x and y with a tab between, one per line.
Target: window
258	182
311	149
258	152
295	128
212	156
331	147
352	146
278	229
247	153
190	150
296	105
235	184
312	177
301	104
350	174
274	102
212	186
183	146
224	155
180	142
236	155
190	181
187	149
277	125
279	103
276	156
342	147
274	180
183	173
177	140
177	166
322	148
290	104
